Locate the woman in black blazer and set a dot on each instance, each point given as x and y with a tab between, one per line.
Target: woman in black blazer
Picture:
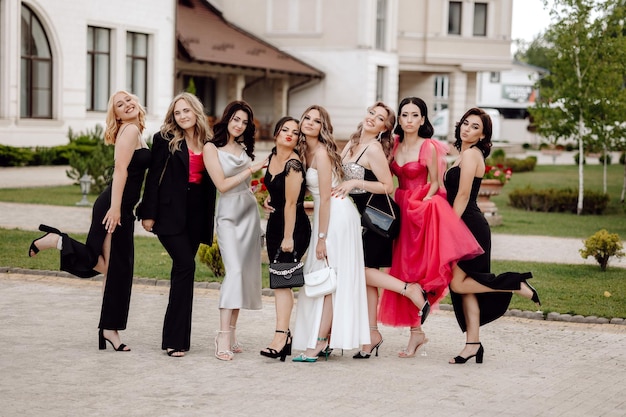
179	206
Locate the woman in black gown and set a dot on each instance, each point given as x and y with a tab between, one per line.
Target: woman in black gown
109	248
288	227
478	296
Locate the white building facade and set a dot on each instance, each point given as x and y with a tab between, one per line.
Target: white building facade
61	60
383	50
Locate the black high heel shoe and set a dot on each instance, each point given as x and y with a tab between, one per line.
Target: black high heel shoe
284	352
365	355
33	249
102	343
425	310
479	355
535	297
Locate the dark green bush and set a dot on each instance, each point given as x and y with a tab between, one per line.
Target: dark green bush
211	257
11	156
49	156
521	165
577	158
497	156
608	158
553	200
622	158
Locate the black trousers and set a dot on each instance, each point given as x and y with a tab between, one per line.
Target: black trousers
80	258
182	249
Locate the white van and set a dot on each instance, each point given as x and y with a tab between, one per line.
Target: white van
441	124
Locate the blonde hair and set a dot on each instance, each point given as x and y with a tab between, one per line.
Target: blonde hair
172	131
113	125
385	138
325	137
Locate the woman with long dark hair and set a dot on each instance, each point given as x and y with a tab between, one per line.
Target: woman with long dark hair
288	228
478	296
228	158
431	236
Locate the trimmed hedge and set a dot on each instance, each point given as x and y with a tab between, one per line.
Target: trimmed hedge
562	200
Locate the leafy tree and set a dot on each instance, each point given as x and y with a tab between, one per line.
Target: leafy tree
536	52
583	95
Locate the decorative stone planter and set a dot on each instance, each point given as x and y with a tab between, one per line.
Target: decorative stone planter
490	210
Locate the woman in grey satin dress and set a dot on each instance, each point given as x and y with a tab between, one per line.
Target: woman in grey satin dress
228	160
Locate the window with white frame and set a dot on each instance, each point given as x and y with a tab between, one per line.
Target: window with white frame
98	68
381	24
480	19
454	17
294	16
442	86
137	65
381	73
35	68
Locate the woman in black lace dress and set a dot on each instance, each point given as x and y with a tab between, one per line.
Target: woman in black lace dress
288	228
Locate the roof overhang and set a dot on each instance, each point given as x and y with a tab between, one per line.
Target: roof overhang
206	37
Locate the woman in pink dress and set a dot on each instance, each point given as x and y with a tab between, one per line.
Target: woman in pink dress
432	237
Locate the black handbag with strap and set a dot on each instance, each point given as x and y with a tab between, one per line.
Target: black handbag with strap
286	274
382	216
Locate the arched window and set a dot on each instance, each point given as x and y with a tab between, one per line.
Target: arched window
36	69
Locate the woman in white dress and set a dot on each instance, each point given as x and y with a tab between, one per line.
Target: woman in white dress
228	160
336	236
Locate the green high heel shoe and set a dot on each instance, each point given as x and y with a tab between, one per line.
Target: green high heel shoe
323	352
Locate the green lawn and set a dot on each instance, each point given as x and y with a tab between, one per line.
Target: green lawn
520	222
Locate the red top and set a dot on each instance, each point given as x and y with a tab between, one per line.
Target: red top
196	166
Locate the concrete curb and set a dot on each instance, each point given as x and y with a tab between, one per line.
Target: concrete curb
153	282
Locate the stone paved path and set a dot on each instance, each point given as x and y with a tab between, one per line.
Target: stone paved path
50	365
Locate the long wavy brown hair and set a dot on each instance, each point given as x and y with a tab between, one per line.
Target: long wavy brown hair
325	137
385	138
113	125
172	131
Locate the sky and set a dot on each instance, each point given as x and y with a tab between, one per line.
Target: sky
529	19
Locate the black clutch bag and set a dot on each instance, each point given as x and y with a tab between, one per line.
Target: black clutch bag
286	274
382	217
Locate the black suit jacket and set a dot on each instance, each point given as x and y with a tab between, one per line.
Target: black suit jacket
166	203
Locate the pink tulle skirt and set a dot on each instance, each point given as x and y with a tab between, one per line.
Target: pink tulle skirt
432	239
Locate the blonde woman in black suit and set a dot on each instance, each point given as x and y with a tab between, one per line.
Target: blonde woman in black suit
178	206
